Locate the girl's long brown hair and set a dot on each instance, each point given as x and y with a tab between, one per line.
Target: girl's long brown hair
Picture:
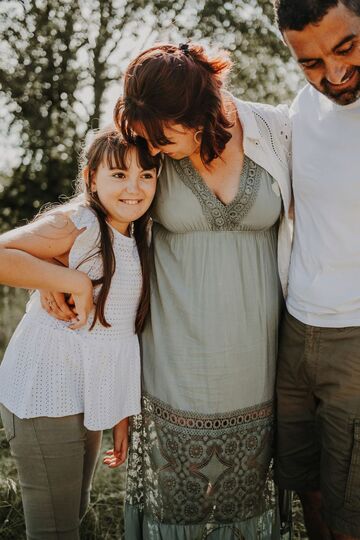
108	147
176	84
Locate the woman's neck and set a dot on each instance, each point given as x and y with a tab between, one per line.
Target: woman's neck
235	144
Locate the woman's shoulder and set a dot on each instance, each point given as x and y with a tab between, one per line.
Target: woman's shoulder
272	111
275	117
270	124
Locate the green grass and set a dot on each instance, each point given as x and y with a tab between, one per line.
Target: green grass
12	307
104	519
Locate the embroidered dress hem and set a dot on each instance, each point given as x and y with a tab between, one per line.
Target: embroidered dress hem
139	526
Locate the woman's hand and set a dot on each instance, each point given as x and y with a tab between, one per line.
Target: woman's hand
76	309
83	302
117	455
57	306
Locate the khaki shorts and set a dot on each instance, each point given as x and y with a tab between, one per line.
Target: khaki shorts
318	436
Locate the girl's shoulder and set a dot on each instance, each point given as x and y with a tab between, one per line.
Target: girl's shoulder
87	242
64	217
81	215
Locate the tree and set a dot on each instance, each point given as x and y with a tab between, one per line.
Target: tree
263	70
58	61
38	78
59	57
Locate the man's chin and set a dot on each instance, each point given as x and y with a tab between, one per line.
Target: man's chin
346	97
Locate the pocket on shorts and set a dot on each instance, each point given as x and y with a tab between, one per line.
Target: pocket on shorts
352	493
8	420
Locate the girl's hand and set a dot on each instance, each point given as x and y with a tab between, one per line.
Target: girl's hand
117	455
56	305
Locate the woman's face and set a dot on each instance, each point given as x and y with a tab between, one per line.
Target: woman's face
183	141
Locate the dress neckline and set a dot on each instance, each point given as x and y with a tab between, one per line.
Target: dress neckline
222	216
191	170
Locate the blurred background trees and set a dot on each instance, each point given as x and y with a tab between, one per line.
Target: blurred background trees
61	63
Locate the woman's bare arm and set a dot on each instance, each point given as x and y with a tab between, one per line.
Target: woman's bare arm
23	254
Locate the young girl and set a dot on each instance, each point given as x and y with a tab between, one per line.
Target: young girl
62	382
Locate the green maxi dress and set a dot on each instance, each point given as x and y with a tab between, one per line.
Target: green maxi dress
200	452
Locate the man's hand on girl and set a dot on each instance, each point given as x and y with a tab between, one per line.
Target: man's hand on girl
117	455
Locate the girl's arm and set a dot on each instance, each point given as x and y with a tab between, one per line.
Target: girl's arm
21	260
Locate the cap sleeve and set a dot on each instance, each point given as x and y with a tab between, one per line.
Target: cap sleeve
83	216
83	254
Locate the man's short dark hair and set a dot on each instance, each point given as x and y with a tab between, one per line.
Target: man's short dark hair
296	14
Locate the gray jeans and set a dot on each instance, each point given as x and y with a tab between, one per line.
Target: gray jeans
56	460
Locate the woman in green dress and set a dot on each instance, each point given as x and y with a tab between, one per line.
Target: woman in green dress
200	452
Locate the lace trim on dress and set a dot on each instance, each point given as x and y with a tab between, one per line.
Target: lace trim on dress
185	468
219	215
197	421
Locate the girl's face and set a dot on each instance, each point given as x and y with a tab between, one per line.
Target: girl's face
182	141
125	194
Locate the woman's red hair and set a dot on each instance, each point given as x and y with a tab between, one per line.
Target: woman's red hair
168	84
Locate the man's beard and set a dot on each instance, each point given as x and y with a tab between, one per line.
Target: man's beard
343	97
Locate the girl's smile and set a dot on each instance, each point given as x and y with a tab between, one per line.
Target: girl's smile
130	201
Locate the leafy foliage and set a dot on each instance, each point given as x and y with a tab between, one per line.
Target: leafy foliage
56	66
262	69
39	79
58	57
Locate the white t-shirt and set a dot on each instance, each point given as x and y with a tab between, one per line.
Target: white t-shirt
324	278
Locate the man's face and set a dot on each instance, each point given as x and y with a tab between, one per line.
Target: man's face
329	54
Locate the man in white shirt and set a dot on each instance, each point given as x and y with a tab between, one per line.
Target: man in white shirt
319	356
